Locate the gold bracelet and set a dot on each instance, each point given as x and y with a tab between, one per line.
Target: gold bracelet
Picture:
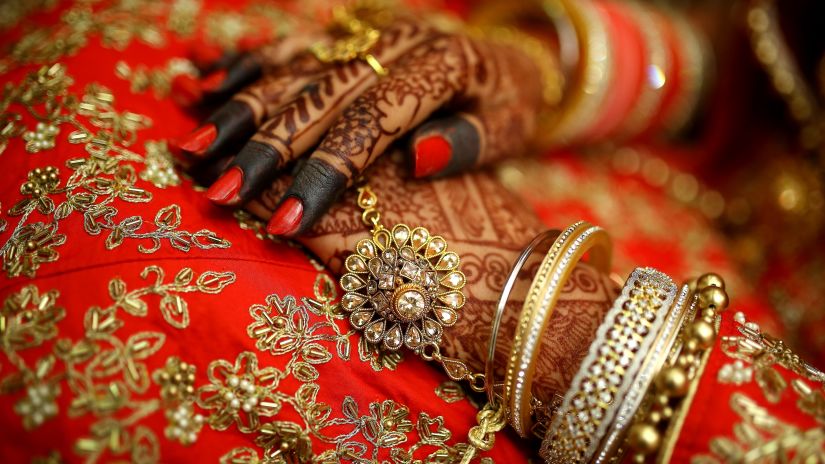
610	449
536	245
609	370
653	435
567	251
596	70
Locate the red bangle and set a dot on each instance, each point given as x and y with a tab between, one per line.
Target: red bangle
626	45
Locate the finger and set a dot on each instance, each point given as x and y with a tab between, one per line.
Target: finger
237	120
300	124
428	77
464	141
229	72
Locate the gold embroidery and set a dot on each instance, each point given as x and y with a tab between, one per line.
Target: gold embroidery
103	373
96	181
450	392
760	436
158	80
240	393
757	353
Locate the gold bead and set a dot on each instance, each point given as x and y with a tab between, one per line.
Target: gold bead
709	314
663	400
710	280
638	458
673	381
643	438
702	334
654	417
667	412
690	346
713	297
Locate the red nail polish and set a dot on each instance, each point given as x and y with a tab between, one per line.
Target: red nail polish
432	154
213	82
205	55
197	141
225	190
185	90
287	218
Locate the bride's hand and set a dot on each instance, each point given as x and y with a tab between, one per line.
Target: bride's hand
488	227
281	103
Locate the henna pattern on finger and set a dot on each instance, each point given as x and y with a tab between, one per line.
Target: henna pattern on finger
301	122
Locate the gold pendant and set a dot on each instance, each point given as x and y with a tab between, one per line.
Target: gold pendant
403	287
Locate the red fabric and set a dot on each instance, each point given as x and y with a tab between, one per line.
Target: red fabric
219	322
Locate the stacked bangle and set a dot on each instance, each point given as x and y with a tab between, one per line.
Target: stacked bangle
539	244
610	446
653	434
609	371
566	252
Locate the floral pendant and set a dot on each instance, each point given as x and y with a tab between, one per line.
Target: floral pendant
403	287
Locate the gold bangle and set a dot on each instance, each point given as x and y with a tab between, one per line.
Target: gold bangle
596	69
610	448
608	372
654	434
536	245
567	251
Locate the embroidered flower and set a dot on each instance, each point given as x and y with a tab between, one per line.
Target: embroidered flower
31	246
29	318
280	326
184	424
40	183
160	168
176	380
97	106
38	405
240	393
42	138
285	442
120	185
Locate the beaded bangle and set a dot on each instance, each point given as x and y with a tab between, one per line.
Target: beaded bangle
660	351
539	244
652	436
567	250
609	370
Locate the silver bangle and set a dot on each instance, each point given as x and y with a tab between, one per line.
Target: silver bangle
539	244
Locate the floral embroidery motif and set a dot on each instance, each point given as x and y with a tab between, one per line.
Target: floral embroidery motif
105	374
450	391
42	138
240	393
96	182
757	353
760	436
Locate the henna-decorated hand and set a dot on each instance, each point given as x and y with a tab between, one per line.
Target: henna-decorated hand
344	116
488	227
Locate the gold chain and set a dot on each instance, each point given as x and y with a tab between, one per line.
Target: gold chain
491	419
368	202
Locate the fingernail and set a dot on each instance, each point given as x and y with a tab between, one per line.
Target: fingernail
287	218
214	81
432	155
185	90
204	56
197	141
225	190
